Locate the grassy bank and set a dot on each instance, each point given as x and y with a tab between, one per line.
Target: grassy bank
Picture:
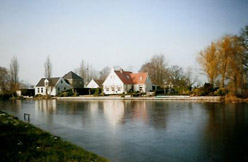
20	141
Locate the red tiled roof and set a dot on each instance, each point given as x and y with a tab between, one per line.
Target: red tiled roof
131	78
139	78
124	76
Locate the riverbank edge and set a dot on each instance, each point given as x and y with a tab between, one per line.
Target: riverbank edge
22	141
157	98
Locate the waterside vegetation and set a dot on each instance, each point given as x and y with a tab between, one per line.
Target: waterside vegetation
22	141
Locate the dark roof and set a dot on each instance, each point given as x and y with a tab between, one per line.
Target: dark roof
71	75
52	81
99	82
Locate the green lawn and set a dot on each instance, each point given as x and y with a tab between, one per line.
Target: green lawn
20	141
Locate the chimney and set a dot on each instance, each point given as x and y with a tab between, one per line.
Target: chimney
121	70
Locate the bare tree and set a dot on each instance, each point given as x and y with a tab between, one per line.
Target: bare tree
224	53
190	77
156	68
104	73
87	72
48	67
208	60
4	79
225	59
14	69
236	69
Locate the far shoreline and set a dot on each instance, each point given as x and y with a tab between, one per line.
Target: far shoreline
156	98
181	98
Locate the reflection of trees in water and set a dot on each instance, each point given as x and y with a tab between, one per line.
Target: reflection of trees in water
48	106
89	112
158	114
15	105
149	112
134	110
226	132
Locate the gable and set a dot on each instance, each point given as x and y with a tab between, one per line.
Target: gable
112	78
71	75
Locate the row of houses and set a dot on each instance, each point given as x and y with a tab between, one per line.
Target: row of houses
117	82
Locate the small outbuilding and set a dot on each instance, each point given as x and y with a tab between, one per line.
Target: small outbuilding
93	84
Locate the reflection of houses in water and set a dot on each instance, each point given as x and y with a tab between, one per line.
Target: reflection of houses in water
45	105
94	107
113	111
140	111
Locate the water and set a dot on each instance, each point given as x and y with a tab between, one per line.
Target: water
144	130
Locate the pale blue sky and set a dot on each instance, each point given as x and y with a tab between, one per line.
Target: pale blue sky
111	32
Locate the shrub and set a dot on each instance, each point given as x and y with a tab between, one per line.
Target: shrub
75	94
123	95
5	96
97	92
220	92
66	93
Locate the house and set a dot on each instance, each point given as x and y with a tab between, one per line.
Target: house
74	80
95	84
51	86
120	81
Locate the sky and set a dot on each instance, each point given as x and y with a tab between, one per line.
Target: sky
103	33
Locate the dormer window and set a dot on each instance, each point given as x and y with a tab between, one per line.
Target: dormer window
128	77
141	78
46	82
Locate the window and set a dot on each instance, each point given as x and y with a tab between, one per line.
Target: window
64	88
41	90
107	88
38	90
113	88
141	78
61	81
119	88
128	77
58	89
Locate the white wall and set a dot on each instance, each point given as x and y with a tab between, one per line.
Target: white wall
113	84
136	87
40	90
145	87
92	84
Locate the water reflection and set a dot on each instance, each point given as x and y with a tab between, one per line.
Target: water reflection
47	106
226	132
113	111
145	130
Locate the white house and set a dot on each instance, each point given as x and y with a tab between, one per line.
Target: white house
95	84
120	81
51	86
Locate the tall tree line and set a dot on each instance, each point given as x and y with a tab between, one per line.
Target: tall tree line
225	61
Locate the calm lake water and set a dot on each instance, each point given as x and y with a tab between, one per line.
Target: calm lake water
144	130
